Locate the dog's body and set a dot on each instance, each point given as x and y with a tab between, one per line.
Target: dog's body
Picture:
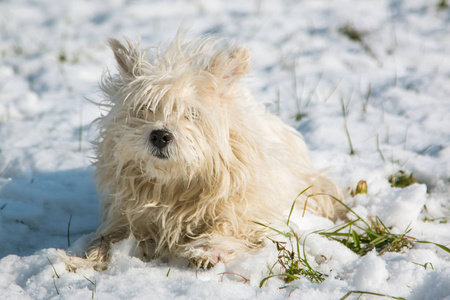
187	162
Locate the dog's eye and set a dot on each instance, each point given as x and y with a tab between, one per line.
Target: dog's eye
144	111
192	114
141	114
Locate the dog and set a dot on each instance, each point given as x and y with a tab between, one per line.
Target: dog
188	163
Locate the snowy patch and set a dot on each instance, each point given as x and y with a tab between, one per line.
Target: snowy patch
393	85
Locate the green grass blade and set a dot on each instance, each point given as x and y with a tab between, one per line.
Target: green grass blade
356	240
378	241
68	231
345	225
332	234
285	234
293	204
370	293
436	244
56	288
317	275
343	204
386	229
53	267
275	275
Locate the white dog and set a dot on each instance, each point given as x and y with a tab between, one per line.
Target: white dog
187	161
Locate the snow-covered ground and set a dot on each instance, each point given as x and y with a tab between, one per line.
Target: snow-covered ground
395	85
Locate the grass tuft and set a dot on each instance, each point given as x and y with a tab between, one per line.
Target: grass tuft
355	35
291	260
401	179
350	31
62	57
359	235
293	264
442	5
363	236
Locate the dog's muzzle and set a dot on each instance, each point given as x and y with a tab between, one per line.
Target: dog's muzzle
160	139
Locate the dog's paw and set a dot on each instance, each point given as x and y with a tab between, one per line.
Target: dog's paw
74	263
209	259
201	263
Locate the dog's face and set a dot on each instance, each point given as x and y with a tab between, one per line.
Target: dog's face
170	115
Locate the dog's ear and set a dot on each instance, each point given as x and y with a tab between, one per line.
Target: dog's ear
231	64
128	57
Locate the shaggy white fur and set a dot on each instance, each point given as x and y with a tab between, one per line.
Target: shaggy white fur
187	161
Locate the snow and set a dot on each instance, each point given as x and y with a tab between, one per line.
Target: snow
52	54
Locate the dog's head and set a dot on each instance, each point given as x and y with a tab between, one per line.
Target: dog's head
170	113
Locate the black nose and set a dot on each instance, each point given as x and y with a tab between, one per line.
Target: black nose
160	138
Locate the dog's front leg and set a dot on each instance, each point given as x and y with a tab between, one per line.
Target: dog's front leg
113	229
